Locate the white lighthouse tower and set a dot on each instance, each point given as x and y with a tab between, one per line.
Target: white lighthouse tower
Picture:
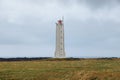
60	49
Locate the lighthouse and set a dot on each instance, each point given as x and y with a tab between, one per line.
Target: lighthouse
60	49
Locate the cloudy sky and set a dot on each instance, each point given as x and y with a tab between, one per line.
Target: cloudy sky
27	27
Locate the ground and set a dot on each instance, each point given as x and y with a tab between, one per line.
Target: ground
82	69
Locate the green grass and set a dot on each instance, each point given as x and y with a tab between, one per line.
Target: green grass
86	69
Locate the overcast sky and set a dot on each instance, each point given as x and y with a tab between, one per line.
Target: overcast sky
27	27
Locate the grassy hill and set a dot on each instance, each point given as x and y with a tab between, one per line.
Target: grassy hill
61	69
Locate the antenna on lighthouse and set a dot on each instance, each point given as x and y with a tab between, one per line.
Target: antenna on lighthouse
63	18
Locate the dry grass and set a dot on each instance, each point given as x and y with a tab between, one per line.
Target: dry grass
88	69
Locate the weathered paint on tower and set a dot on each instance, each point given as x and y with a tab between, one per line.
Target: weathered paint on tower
60	50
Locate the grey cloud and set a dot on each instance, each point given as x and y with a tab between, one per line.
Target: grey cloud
99	4
93	33
24	34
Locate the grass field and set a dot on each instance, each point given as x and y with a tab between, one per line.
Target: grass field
83	69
